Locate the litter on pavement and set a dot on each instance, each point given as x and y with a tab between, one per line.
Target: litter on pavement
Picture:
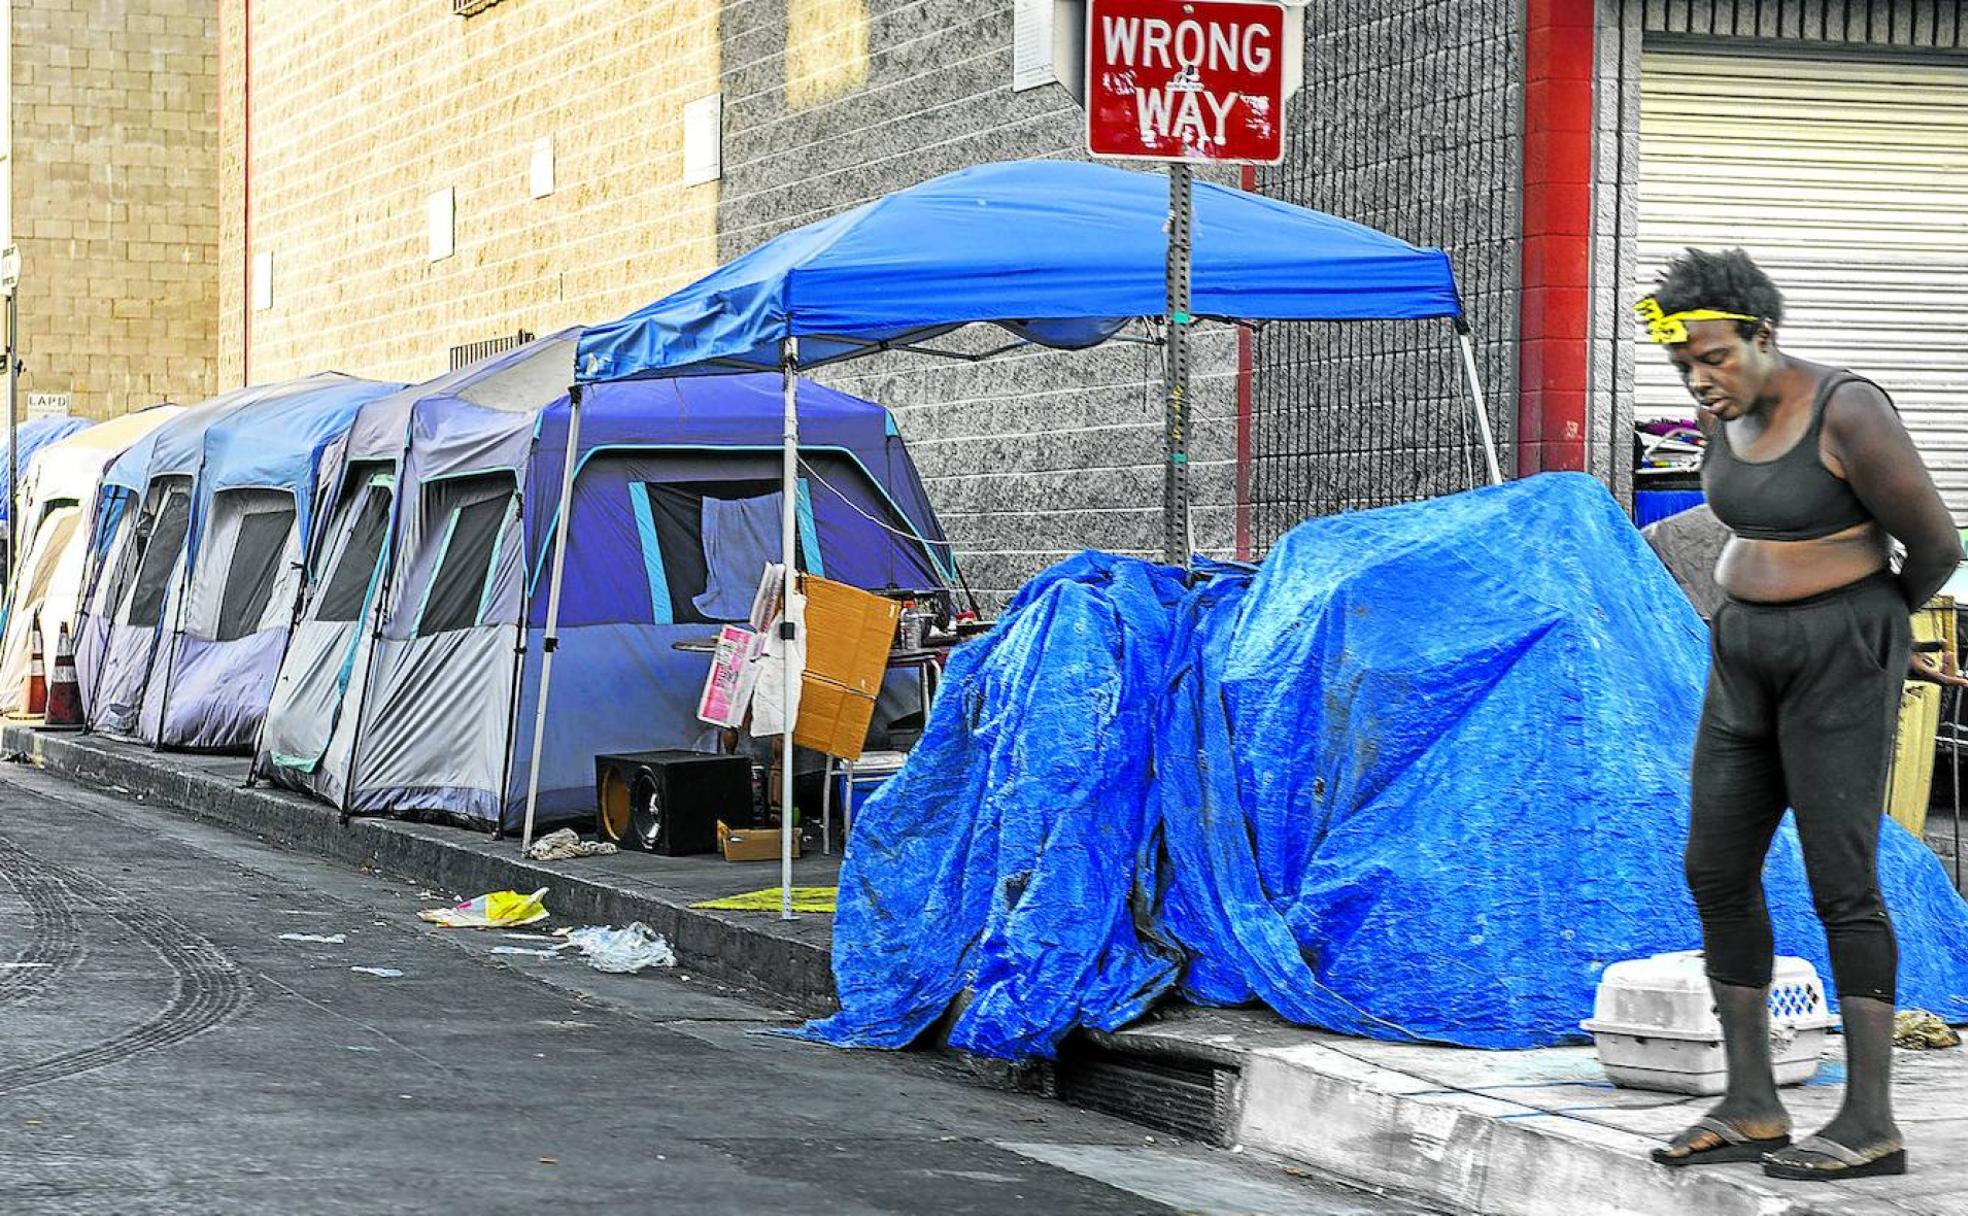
622	951
565	844
388	973
1919	1030
805	899
550	952
495	909
326	939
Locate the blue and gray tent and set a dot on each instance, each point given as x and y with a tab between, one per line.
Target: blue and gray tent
196	548
417	656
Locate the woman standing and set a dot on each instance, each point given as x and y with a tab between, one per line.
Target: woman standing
1812	471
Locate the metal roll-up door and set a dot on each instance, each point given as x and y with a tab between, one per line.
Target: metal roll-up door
1847	179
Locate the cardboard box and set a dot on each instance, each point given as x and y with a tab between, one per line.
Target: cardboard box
753	844
848	636
832	719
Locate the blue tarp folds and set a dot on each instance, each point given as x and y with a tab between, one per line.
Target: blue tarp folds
1422	775
1058	252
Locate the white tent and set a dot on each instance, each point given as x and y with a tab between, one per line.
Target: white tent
59	495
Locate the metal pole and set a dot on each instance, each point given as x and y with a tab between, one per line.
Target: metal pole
789	493
551	641
1175	371
13	434
1476	402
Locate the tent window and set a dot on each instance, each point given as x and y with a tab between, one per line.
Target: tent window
355	570
255	568
160	559
464	573
714	540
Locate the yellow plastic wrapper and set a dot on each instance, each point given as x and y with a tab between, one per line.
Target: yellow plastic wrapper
493	910
805	899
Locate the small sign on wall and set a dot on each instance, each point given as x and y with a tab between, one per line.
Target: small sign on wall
540	175
443	223
47	405
703	140
263	280
1031	44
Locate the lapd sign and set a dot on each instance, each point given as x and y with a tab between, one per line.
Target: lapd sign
1187	80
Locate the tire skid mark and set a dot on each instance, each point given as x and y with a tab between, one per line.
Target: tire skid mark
54	947
207	988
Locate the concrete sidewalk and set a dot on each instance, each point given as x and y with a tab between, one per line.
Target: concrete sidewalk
1537	1133
1543	1133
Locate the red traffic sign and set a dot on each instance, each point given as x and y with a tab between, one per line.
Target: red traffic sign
1186	80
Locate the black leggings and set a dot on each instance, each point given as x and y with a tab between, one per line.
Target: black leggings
1803	701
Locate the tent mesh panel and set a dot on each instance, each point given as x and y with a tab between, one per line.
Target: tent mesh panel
1407	122
458	588
348	586
160	560
255	568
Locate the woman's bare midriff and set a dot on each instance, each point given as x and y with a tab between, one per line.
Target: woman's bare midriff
1773	571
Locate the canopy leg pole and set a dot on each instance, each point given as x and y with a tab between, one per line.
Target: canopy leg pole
789	496
13	438
551	640
1476	403
1177	543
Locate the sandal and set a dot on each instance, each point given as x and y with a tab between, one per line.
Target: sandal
1847	1163
1734	1146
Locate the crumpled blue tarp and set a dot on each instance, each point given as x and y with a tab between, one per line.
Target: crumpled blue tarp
1007	859
1422	776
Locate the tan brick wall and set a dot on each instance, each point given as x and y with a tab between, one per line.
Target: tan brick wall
114	189
361	110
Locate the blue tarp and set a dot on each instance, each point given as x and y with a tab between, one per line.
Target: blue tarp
33	435
1421	776
1059	252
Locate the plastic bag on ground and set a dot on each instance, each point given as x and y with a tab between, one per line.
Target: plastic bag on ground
622	951
495	909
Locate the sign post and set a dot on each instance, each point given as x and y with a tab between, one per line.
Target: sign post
10	279
1186	82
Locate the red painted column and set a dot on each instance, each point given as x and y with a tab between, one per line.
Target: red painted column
1557	244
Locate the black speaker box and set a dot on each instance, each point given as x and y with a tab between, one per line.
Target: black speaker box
670	802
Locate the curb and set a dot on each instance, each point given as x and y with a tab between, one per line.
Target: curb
796	969
1381	1128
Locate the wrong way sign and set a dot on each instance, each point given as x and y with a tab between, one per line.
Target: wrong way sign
1187	80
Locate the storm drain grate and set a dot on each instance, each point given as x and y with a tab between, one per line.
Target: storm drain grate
1191	1099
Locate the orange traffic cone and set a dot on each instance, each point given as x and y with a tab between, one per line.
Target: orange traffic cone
64	691
37	676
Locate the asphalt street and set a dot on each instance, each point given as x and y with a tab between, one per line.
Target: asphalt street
164	1049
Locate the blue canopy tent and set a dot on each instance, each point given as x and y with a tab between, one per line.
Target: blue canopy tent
1058	254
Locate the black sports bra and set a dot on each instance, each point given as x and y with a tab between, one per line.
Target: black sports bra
1793	497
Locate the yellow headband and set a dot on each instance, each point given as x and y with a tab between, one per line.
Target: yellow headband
1671	329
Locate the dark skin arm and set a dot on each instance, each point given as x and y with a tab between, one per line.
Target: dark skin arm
1873	452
